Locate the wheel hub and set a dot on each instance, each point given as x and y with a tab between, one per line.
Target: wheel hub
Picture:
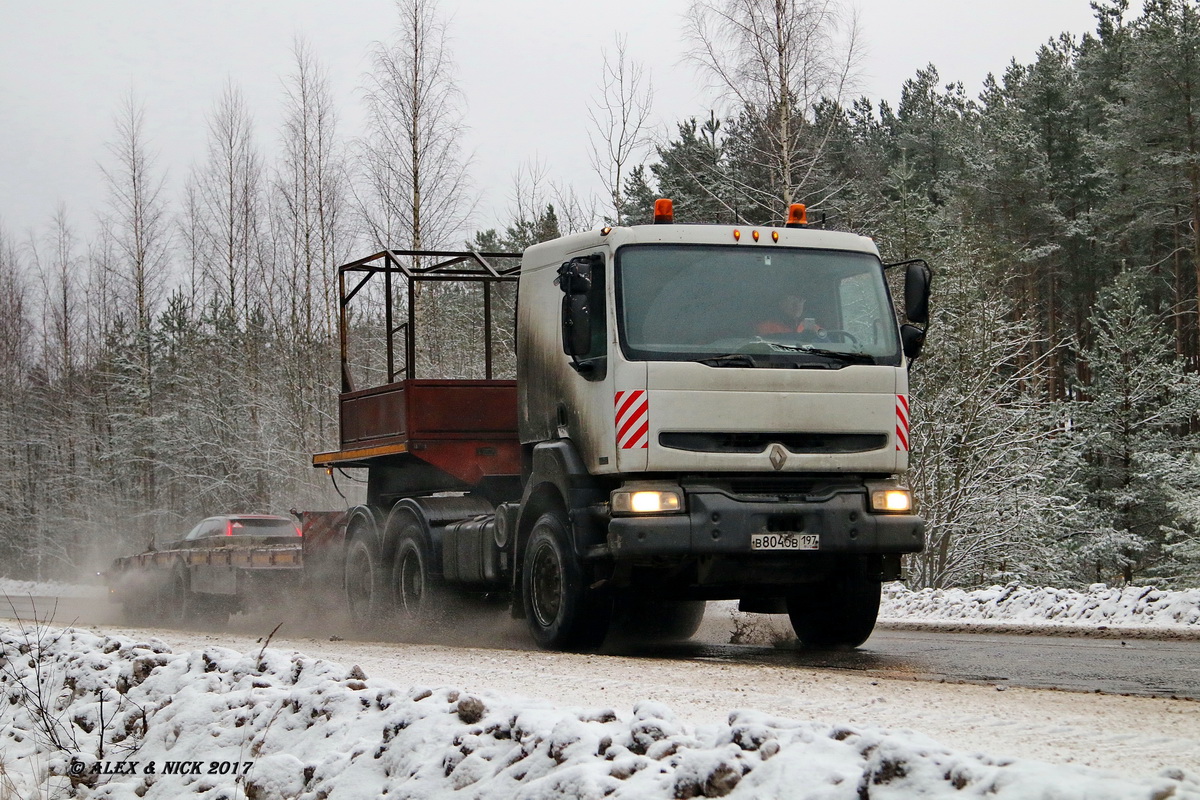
546	585
412	583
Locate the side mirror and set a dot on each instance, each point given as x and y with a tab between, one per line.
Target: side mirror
917	276
913	339
575	276
575	280
582	283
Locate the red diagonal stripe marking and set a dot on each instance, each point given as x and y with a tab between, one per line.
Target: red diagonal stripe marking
637	436
639	414
624	428
624	401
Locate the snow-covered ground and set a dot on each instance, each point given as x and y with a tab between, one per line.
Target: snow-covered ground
263	722
1129	612
15	588
215	722
1100	605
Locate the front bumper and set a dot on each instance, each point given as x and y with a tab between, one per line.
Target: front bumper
718	522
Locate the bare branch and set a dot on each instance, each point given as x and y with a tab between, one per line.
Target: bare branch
619	122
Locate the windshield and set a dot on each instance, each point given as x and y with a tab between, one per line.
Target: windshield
754	306
243	526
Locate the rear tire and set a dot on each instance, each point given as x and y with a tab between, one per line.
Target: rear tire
420	596
365	587
839	611
181	602
564	613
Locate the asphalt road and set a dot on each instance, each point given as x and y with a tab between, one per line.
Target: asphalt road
1141	667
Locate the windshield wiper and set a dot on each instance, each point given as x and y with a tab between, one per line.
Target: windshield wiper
838	355
731	360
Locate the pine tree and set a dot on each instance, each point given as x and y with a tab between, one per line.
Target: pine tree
692	172
984	452
1133	429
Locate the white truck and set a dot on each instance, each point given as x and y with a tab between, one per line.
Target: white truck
677	432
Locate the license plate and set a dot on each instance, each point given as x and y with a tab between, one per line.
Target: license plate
785	541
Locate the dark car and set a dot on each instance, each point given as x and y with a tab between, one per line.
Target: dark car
242	525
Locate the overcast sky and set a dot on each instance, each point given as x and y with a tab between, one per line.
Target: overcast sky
528	69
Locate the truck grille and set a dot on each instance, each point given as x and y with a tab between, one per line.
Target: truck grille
809	443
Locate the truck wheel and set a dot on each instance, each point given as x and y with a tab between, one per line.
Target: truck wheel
563	613
839	611
418	595
181	602
364	587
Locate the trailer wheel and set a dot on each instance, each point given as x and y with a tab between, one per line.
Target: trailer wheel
363	583
839	611
564	613
418	590
181	603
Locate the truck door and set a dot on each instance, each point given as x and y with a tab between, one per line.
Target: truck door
587	416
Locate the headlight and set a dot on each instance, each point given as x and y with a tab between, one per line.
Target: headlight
891	501
646	501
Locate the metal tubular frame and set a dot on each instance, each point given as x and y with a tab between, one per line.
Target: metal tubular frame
467	266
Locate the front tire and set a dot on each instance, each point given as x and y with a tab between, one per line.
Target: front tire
839	611
564	613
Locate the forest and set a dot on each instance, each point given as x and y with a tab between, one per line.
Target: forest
181	361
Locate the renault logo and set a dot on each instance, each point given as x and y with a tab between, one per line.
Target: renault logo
778	456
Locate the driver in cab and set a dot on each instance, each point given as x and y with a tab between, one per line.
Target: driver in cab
789	318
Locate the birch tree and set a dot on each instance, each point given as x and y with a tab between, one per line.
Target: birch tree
58	264
619	123
310	223
137	218
228	205
415	197
15	364
309	187
133	260
415	179
775	61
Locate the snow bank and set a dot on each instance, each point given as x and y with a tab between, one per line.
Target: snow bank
1129	606
218	723
1132	611
15	588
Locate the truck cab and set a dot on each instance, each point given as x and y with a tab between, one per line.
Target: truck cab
738	400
